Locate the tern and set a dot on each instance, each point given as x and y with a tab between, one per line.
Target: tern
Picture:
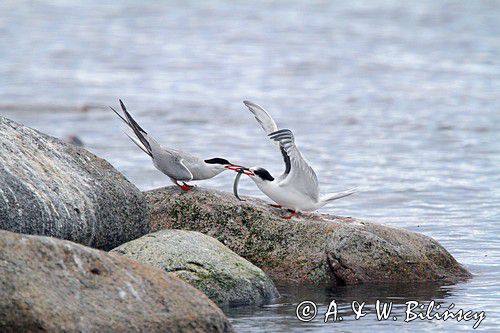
179	166
297	188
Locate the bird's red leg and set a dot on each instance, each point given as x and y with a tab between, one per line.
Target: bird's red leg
184	186
275	206
293	213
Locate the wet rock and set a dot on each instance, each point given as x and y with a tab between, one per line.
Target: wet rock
205	263
313	248
54	285
48	187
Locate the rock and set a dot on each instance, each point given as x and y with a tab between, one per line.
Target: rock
204	262
51	188
54	285
313	248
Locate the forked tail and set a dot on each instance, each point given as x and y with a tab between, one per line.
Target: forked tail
334	196
141	141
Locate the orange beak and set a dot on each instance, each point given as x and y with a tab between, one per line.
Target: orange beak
240	169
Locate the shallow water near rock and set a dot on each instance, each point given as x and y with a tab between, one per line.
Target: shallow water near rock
400	100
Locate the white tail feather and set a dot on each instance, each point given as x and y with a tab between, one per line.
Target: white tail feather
138	143
338	195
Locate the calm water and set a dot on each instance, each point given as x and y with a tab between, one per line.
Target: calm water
401	100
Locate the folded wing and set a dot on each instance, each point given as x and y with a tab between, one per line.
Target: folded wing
167	161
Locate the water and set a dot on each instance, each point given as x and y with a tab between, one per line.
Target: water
398	99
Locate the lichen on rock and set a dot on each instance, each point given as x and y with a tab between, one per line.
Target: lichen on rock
53	285
51	188
312	248
205	263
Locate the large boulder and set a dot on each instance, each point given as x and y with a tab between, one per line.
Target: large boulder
312	248
52	285
51	188
205	263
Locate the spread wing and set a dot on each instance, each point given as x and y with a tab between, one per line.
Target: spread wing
269	126
262	117
301	174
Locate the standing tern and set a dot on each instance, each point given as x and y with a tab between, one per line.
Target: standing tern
297	188
179	166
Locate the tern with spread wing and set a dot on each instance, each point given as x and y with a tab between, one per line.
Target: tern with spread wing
297	188
179	166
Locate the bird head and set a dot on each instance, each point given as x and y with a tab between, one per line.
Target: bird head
260	175
222	164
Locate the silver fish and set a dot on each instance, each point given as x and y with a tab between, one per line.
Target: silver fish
235	186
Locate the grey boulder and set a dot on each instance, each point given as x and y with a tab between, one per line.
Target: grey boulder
205	263
312	248
52	285
51	188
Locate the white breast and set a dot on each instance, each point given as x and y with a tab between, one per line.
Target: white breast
287	196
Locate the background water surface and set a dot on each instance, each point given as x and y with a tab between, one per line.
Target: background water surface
397	98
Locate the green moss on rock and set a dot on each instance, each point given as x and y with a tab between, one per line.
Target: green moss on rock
205	263
313	248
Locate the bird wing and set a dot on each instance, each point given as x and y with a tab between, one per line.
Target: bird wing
168	161
196	166
269	126
262	117
171	163
301	175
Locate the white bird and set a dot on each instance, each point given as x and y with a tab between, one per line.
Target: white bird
297	188
179	166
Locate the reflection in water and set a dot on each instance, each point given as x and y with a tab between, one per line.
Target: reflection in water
292	295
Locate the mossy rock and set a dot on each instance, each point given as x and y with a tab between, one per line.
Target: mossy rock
312	248
53	285
205	263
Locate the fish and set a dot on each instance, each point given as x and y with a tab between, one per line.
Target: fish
235	185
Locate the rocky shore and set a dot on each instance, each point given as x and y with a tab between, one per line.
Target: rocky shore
173	255
53	285
204	262
313	248
51	188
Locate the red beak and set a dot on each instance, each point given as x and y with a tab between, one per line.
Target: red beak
240	169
